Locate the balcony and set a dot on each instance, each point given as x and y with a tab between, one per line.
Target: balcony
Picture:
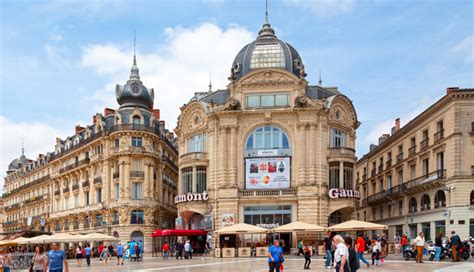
97	180
424	144
115	222
116	175
424	182
193	156
389	194
12	207
388	164
66	227
28	185
170	162
86	225
373	173
440	204
364	178
364	202
425	208
66	190
85	184
380	168
75	187
137	174
438	136
75	226
399	157
74	165
98	224
412	150
259	193
35	198
57	192
341	151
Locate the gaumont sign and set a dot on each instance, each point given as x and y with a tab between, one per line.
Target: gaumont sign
343	193
189	197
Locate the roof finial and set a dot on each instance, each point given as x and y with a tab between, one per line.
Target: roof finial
134	71
266	11
22	146
210	83
320	80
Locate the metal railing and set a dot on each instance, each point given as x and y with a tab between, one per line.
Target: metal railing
373	172
75	187
66	190
137	174
12	207
388	164
412	150
97	180
283	192
85	184
57	192
424	144
399	157
170	162
28	185
425	179
439	135
74	165
380	168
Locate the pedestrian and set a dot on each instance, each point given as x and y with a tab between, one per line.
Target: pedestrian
307	257
137	251
188	250
397	239
455	242
6	260
39	260
419	243
404	243
327	247
375	252
56	261
207	250
275	257
438	246
120	251
166	251
179	250
87	254
300	247
352	259
79	255
105	256
383	247
341	254
360	249
100	249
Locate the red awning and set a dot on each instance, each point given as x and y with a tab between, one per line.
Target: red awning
175	232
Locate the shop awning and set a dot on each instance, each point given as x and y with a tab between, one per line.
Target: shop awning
299	226
241	228
175	232
357	225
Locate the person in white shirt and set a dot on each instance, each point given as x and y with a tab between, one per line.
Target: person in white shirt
397	239
188	250
420	245
341	255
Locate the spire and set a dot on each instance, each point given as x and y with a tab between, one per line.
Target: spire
134	75
210	83
22	146
266	11
320	81
266	31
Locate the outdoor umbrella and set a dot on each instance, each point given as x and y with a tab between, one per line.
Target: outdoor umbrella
7	243
241	228
42	239
357	225
65	237
299	226
21	240
99	237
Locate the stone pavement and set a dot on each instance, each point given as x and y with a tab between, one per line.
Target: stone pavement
292	264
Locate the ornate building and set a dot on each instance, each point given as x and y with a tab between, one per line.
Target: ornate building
421	176
117	176
268	149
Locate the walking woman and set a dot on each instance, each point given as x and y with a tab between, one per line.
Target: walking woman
420	246
39	260
354	264
79	255
307	257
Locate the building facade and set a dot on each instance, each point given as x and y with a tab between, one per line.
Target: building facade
117	176
268	149
421	176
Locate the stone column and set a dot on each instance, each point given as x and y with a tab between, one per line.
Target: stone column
121	179
159	175
220	157
127	180
312	154
301	154
233	156
107	183
146	179
151	181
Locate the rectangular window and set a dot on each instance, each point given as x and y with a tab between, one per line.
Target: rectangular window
426	166
333	175
440	160
117	143
98	195
400	177
117	190
187	179
253	101
196	143
137	190
137	141
440	227
348	175
86	198
412	171
282	100
201	179
267	100
400	207
338	138
426	229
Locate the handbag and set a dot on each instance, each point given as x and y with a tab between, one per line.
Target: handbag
32	263
281	258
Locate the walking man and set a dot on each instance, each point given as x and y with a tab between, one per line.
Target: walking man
455	241
327	247
120	254
360	249
87	254
307	257
300	247
166	251
275	253
397	239
188	250
56	261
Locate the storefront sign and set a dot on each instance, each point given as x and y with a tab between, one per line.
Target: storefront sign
227	219
189	197
268	226
266	153
267	173
343	193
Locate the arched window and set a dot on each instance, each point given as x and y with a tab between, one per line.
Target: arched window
335	218
425	202
58	226
116	218
137	217
412	205
76	223
86	222
440	199
472	197
267	137
136	120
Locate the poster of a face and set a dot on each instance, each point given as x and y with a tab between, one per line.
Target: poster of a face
267	173
208	222
228	219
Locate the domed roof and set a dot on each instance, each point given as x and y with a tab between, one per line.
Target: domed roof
18	163
134	93
267	51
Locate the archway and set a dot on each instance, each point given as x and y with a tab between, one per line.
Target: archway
137	236
335	218
116	234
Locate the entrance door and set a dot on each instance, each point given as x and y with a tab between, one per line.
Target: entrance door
285	242
137	237
412	231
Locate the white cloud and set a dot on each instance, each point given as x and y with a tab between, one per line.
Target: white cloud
177	69
39	138
466	48
324	7
57	55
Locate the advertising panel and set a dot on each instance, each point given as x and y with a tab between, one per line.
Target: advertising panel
267	173
227	219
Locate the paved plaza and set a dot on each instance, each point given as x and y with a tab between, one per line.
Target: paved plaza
259	264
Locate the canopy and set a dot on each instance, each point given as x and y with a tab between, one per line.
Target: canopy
241	228
357	225
175	232
42	239
98	237
7	243
299	226
21	240
66	237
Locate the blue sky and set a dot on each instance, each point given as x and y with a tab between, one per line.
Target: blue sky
60	60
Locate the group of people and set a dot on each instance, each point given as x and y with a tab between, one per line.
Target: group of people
420	244
184	250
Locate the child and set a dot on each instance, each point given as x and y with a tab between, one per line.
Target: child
375	252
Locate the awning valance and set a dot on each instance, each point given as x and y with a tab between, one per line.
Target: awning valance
176	232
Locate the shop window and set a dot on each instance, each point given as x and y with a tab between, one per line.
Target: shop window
196	143
267	137
440	227
335	218
412	204
440	199
425	202
338	138
137	217
187	179
426	229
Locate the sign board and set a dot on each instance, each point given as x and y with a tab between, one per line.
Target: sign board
228	219
267	173
189	197
343	193
178	223
267	153
268	226
208	222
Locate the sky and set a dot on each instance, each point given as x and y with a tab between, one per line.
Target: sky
60	60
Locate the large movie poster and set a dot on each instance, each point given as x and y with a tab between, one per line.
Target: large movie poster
267	173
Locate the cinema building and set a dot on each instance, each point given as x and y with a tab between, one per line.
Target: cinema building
421	176
269	148
117	176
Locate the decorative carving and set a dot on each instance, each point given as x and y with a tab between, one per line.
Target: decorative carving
268	77
232	104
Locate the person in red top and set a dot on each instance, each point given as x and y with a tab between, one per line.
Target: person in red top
404	243
101	248
360	249
166	251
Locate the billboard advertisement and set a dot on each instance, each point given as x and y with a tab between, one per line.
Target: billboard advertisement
267	173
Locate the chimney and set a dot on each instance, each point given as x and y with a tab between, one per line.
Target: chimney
397	124
383	138
156	114
94	119
372	147
162	124
79	129
108	111
451	89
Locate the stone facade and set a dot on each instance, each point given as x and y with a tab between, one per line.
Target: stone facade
214	130
117	176
421	177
